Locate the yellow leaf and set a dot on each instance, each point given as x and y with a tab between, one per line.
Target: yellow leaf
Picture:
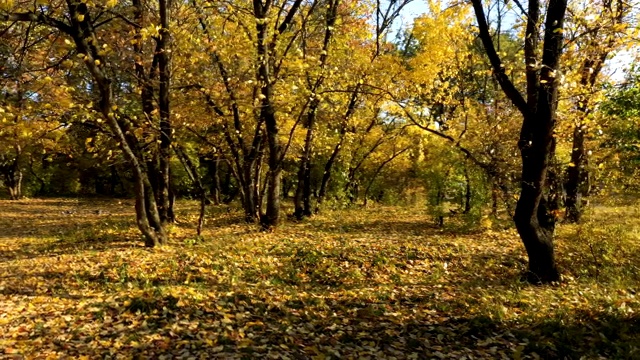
6	4
245	343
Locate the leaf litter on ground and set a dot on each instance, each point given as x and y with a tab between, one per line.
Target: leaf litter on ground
373	283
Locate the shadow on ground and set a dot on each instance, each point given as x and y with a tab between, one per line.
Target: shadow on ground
349	330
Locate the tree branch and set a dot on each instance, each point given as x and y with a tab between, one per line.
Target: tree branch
37	18
498	68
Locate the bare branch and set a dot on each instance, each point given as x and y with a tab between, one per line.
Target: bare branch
498	68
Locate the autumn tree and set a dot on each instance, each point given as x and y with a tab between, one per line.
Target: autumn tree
448	93
242	81
372	66
315	63
302	198
596	33
30	129
534	221
88	31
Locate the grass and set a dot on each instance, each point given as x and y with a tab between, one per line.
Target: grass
369	283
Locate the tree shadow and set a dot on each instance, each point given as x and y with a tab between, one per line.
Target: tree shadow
350	329
315	318
319	322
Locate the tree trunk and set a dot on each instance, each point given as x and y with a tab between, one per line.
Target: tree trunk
272	217
250	194
216	188
303	192
14	184
326	175
298	204
532	217
165	204
12	174
494	199
535	226
439	205
274	175
147	216
573	199
576	172
302	200
267	112
467	193
555	197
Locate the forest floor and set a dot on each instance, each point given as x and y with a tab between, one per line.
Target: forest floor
376	283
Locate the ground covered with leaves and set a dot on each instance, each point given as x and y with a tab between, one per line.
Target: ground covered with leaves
382	282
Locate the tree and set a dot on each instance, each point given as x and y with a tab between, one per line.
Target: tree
89	36
595	37
302	198
371	67
534	222
267	114
30	126
448	92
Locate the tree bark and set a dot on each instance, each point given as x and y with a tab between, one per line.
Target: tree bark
494	199
467	193
573	198
216	188
533	220
326	175
267	112
302	199
12	174
13	180
164	60
83	34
